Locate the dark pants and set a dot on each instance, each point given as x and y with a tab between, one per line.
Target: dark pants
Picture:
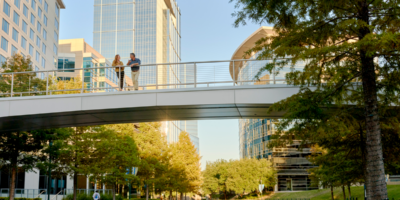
121	79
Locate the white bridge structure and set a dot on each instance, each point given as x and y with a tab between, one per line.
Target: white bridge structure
214	90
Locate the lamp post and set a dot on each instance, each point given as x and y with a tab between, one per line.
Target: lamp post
133	171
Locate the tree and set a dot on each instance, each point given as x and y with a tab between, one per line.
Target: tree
24	84
75	154
185	165
238	175
115	154
24	150
351	53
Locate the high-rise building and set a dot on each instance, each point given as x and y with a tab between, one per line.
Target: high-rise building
255	134
31	27
152	30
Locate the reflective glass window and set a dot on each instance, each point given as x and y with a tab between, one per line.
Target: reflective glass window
46	6
39	27
24	26
39	13
5	26
4	44
45	20
23	42
17	3
33	4
15	35
37	56
31	50
38	41
44	34
25	11
33	19
14	50
44	48
6	8
32	35
16	18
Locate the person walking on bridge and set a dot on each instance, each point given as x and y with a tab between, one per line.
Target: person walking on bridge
120	69
135	63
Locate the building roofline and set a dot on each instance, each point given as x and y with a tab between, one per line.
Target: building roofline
61	3
247	44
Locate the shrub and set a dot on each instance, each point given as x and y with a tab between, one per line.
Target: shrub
6	198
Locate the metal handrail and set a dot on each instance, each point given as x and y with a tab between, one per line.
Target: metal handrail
103	88
144	65
57	194
40	194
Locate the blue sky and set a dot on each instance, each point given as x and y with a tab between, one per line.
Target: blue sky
207	34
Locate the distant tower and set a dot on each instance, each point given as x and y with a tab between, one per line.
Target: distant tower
152	30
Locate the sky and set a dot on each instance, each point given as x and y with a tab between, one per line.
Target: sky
207	34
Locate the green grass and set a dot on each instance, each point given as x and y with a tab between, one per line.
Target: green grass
325	194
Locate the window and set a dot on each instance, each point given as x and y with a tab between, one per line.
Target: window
32	35
33	19
23	55
37	56
25	11
38	41
66	63
14	50
39	27
6	8
46	6
55	49
56	23
45	20
5	26
6	177
2	59
55	36
24	26
44	34
31	50
44	48
4	44
33	5
43	63
15	35
23	42
40	13
16	18
17	3
41	1
57	10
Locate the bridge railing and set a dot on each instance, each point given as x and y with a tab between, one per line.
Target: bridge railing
96	79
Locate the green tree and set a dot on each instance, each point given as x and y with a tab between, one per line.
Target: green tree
25	150
23	84
152	146
351	53
74	154
114	155
185	162
238	175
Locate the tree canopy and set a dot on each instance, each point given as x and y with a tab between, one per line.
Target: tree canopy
350	50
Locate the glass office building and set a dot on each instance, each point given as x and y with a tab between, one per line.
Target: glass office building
152	30
255	134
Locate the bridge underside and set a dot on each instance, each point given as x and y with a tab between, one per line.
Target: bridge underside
29	113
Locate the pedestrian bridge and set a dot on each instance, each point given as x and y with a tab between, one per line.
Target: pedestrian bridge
221	95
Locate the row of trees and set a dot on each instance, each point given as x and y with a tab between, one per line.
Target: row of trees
238	176
104	153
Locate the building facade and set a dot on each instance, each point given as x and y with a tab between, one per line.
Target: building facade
255	134
152	30
77	54
31	27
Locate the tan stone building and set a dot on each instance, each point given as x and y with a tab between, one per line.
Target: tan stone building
75	55
32	29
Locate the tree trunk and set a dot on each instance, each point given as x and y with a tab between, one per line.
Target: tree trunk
348	188
181	196
12	183
113	191
332	192
75	183
344	192
375	171
147	191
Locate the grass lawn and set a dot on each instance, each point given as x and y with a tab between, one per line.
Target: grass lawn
325	194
